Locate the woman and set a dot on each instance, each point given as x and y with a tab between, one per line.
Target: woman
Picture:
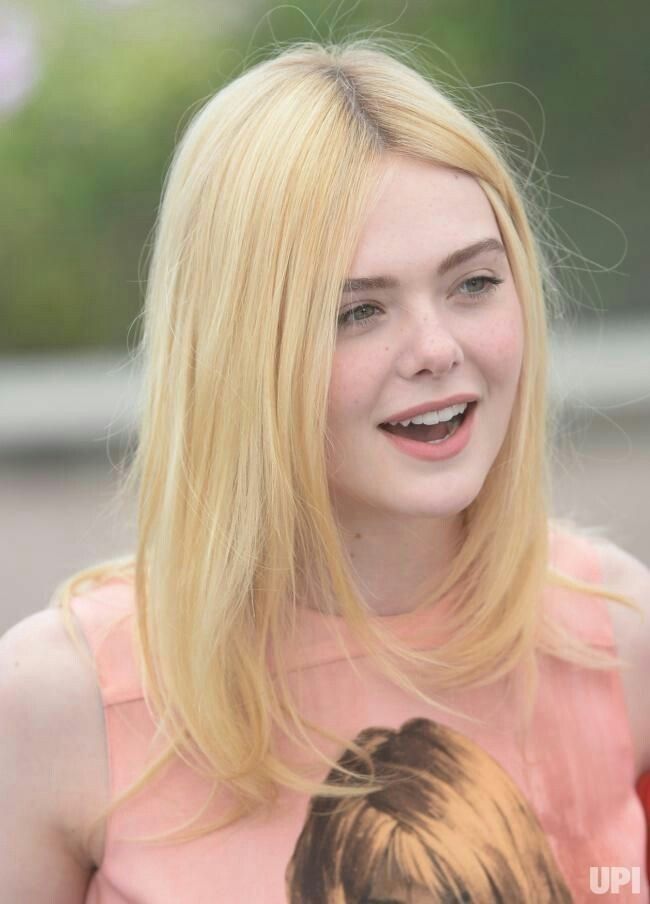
340	249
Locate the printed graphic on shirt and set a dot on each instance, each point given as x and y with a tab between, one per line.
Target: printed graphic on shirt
451	826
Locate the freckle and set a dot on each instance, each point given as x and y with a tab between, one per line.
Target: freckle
357	536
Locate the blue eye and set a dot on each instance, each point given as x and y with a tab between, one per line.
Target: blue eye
491	280
346	318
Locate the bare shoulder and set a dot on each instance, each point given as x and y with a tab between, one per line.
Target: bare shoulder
625	574
50	692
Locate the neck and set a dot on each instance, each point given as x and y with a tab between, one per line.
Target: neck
389	565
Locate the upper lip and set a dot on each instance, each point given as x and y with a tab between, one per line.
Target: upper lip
434	405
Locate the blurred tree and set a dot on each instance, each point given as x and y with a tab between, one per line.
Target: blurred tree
86	160
83	160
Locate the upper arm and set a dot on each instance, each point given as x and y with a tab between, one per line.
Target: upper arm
48	714
627	575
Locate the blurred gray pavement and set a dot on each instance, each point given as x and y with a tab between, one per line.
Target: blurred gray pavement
65	422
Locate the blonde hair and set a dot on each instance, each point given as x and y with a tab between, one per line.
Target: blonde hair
262	209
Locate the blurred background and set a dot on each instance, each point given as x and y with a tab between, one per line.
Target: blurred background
94	95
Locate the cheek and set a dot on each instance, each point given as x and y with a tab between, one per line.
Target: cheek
502	347
351	386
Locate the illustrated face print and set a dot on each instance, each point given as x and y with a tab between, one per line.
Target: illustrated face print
453	828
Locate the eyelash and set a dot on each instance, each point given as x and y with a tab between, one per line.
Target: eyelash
344	322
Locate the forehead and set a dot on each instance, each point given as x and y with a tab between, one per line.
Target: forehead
419	214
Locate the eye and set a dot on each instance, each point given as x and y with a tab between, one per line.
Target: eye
492	281
345	318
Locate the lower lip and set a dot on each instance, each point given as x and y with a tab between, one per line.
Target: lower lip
438	452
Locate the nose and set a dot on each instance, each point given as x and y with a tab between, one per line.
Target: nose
431	345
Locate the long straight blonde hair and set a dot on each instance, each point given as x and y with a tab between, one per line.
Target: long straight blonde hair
262	209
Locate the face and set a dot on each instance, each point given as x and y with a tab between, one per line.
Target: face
436	335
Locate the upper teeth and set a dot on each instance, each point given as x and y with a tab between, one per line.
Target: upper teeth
433	417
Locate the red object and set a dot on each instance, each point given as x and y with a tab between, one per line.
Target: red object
643	790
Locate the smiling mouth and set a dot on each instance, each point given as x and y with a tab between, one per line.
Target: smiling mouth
425	433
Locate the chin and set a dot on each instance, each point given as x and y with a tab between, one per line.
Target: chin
445	498
450	506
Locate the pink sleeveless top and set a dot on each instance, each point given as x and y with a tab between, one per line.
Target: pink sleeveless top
570	801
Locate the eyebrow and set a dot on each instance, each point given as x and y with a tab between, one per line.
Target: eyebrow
455	259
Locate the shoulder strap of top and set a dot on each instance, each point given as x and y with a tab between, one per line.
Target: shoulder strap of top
106	616
585	614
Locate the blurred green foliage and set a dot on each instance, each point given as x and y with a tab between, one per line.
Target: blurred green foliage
83	161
